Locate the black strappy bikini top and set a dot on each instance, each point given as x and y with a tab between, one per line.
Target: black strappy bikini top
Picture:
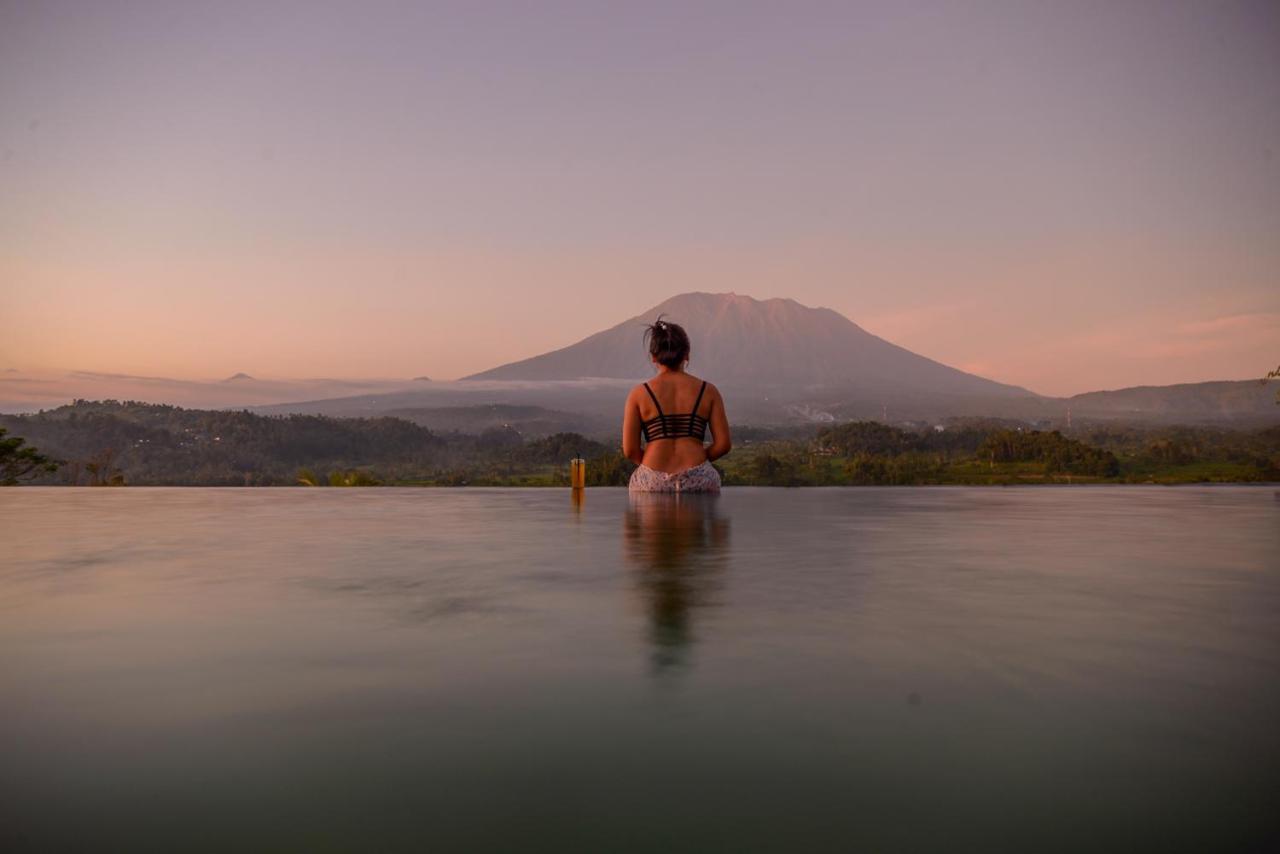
675	426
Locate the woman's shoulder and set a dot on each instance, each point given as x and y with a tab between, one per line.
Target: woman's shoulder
637	391
711	387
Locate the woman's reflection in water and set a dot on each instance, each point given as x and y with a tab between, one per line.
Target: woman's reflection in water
678	544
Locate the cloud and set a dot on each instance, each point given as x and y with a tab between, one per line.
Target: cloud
100	375
1232	323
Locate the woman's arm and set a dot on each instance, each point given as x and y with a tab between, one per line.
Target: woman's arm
631	430
721	441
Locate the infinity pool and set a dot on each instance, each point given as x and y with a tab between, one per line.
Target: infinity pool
880	669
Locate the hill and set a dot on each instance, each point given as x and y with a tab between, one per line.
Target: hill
1246	401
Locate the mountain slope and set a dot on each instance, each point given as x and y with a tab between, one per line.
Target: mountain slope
739	341
1221	401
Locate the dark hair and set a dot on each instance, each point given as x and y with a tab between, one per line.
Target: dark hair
668	342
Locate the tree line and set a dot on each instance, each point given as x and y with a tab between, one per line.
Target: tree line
130	443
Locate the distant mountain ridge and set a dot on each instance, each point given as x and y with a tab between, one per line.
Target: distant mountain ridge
779	363
1218	400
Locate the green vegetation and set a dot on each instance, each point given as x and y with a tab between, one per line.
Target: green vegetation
1058	454
109	442
18	463
988	451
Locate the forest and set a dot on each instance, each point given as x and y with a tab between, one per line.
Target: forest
129	443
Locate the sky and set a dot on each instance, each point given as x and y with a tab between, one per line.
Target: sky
1066	196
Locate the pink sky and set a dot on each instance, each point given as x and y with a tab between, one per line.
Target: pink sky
1065	198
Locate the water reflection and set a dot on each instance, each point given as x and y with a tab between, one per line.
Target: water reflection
392	669
678	545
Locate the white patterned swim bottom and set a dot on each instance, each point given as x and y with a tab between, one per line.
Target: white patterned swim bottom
699	478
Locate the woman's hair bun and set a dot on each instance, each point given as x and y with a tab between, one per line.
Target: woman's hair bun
668	342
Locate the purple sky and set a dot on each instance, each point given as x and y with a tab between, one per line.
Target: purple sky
1067	196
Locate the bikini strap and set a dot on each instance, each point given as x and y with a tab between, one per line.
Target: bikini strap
655	399
698	402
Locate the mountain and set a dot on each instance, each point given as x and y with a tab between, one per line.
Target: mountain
783	362
778	362
30	391
775	344
1248	401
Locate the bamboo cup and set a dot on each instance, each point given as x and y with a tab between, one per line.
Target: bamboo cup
578	472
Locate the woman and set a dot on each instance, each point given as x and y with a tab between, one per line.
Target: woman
671	412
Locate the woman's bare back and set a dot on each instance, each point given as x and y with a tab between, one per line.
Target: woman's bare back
676	392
